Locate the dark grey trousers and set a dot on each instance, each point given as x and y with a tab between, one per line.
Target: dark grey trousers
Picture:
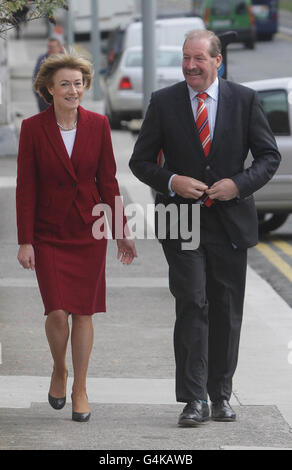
208	285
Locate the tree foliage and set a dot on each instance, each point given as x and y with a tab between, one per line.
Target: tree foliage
9	10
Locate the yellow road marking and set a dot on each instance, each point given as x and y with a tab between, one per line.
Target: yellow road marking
285	36
275	260
284	246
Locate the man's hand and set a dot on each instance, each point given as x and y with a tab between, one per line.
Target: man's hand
26	256
223	190
188	187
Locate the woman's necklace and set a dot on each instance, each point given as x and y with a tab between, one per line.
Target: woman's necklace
67	128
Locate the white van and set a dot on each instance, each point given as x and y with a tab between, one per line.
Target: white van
168	31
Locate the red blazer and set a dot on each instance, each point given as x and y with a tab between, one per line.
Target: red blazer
48	181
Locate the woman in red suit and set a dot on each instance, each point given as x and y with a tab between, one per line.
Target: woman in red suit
65	167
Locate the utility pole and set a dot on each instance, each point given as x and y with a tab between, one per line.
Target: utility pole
70	25
196	6
95	47
4	111
149	50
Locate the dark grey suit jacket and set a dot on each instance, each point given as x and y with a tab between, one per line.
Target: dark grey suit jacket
240	126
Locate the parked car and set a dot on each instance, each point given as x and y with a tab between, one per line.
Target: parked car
169	32
266	18
236	15
124	87
274	201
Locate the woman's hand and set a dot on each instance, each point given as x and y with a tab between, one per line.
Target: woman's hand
126	250
26	256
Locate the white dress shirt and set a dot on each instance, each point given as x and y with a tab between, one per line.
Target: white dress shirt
211	103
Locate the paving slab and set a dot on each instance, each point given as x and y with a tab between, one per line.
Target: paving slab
135	427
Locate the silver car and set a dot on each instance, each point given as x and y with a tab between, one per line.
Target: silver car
123	87
274	200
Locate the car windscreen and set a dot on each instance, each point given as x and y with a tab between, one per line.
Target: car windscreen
221	8
276	108
163	59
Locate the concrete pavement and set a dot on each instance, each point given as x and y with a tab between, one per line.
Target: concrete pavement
131	375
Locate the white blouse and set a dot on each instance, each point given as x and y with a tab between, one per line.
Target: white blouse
69	139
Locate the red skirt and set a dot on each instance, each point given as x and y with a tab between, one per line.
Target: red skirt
70	266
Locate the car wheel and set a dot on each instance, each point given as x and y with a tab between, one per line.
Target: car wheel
114	118
250	44
270	221
265	37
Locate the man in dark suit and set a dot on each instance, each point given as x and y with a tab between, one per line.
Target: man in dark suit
206	127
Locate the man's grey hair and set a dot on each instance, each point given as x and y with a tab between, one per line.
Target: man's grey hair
57	39
215	44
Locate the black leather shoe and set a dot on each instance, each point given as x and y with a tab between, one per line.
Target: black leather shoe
194	413
57	403
80	417
222	411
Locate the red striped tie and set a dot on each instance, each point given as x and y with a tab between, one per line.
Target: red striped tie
202	124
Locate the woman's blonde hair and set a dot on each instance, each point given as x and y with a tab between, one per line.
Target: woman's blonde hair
45	77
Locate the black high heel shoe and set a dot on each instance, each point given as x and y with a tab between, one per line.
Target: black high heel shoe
79	417
57	403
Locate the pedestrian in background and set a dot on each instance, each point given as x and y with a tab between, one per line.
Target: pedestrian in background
65	167
206	126
54	46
